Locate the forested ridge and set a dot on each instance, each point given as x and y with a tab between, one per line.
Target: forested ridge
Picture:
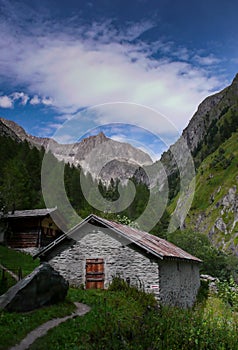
20	169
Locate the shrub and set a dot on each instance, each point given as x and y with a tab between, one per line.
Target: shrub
228	292
147	300
203	292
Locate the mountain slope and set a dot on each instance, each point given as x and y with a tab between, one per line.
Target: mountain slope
215	206
212	139
6	131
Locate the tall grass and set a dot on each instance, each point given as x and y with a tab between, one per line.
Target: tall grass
126	319
123	320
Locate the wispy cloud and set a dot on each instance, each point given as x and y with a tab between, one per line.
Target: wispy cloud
80	66
207	60
20	96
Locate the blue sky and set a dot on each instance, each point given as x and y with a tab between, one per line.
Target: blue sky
59	59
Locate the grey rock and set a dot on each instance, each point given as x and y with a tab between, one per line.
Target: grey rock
221	225
44	286
209	278
231	198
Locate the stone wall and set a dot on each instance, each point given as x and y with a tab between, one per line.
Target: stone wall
119	258
179	283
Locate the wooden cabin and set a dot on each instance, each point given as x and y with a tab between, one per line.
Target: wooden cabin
31	228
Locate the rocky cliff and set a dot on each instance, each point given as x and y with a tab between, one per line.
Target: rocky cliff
8	132
208	127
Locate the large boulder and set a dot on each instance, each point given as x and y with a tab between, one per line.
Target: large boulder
44	286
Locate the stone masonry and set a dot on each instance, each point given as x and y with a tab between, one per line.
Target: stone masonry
179	282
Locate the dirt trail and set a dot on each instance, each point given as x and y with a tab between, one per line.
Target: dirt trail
81	309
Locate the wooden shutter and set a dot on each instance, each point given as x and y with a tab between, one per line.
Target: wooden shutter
95	273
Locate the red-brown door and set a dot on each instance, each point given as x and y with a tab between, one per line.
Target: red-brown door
95	273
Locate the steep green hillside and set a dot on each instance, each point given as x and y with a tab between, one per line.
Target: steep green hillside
215	206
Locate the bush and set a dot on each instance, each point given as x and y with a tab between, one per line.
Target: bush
228	292
215	262
203	292
118	284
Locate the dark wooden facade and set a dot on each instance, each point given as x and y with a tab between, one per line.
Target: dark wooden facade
31	228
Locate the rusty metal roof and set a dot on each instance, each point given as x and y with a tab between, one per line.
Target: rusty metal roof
150	243
30	213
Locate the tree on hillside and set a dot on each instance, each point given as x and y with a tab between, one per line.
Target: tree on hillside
215	262
15	186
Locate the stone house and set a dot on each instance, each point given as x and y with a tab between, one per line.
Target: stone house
97	249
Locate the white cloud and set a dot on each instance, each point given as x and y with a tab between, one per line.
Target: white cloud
35	100
23	99
9	101
6	102
47	101
86	66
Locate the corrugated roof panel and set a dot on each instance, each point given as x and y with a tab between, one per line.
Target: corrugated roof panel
28	213
148	241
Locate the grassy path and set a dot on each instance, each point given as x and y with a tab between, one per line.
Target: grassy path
81	309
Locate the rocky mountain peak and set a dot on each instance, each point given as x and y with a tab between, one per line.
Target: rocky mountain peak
8	132
99	138
90	153
209	113
88	143
14	127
